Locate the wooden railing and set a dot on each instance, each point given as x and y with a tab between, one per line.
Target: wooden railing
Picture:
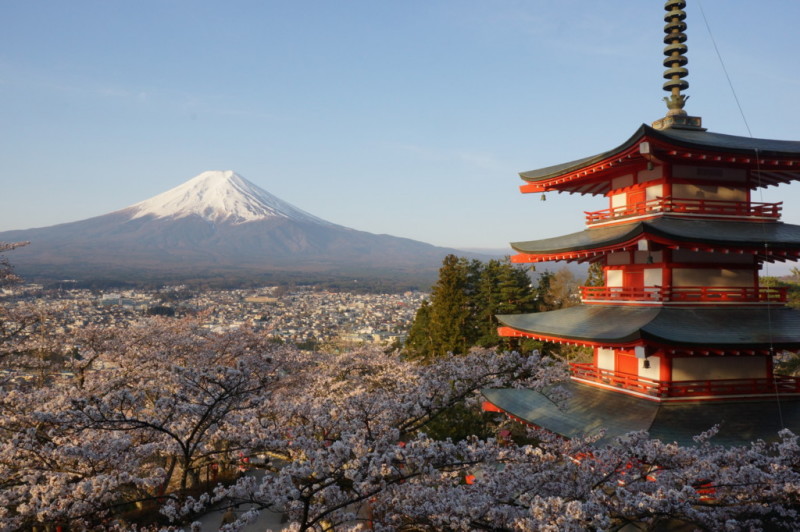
626	381
621	293
684	389
737	209
775	294
697	294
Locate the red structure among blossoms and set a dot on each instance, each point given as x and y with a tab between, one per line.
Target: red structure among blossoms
683	336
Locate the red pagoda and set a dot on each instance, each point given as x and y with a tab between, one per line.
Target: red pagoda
683	336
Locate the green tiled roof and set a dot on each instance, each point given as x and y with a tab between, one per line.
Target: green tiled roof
584	413
721	327
696	139
777	235
590	410
599	323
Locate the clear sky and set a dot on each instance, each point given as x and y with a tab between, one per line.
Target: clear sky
411	117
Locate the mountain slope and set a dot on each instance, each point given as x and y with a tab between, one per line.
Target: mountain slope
216	224
219	197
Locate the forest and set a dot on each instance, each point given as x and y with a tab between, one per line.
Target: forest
151	425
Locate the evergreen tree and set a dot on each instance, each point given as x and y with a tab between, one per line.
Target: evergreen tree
451	316
542	291
595	275
463	304
515	289
419	340
558	290
488	301
504	289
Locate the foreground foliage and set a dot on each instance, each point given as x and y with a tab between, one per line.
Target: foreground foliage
159	420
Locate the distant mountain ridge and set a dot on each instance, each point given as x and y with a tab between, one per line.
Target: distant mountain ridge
217	224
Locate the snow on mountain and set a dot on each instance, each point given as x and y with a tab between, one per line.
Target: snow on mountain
219	196
216	226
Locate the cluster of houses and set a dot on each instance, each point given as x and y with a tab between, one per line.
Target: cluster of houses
303	316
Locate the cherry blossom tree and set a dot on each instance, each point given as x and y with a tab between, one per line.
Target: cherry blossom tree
355	455
145	409
358	428
7	275
572	485
15	321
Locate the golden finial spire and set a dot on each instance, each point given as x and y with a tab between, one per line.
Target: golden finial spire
675	64
675	71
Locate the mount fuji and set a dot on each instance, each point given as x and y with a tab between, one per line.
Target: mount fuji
219	197
217	225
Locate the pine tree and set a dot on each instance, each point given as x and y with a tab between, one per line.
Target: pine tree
542	291
558	290
419	342
504	289
463	304
595	275
452	303
489	302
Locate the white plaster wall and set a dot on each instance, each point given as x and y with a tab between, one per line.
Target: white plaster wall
652	192
653	276
614	278
605	358
654	371
618	200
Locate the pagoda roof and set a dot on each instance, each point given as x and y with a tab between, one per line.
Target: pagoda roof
778	161
706	328
668	231
589	410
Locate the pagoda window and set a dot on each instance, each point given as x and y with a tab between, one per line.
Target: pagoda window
717	368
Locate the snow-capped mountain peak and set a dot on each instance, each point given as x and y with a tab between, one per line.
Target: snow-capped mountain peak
219	196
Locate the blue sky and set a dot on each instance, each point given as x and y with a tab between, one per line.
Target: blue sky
411	118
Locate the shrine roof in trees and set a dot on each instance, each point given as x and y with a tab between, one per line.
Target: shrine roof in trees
589	410
772	161
703	328
773	240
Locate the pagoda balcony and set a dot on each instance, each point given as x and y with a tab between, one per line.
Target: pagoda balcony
684	390
683	294
689	207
